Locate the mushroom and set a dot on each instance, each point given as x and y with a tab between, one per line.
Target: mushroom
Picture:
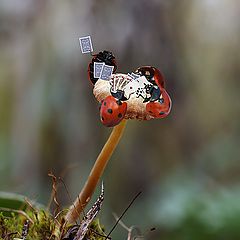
140	95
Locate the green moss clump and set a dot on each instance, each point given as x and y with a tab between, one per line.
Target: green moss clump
10	226
96	231
43	226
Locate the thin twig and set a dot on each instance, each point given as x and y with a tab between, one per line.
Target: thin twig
54	193
17	211
129	205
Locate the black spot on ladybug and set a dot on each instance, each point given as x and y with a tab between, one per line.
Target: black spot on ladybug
110	111
119	115
150	112
104	103
119	102
161	113
102	118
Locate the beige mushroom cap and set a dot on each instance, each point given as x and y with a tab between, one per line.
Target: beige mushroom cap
136	108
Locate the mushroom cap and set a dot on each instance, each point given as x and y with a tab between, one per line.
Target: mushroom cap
136	107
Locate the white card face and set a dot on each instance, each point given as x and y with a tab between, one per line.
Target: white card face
142	81
97	69
86	44
106	72
131	88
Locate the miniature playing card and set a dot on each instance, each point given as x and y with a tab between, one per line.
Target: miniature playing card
106	72
86	44
97	69
133	75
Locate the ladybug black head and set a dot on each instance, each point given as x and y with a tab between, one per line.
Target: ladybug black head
152	74
107	57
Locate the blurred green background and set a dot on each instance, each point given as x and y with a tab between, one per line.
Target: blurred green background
187	165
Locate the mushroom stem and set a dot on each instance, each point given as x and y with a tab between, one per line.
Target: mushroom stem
95	174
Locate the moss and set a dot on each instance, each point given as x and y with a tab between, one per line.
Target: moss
10	226
43	226
96	231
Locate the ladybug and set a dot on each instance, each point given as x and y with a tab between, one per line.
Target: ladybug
152	74
160	103
112	111
139	95
107	57
160	108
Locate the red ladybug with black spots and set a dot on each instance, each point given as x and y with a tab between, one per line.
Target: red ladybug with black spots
112	111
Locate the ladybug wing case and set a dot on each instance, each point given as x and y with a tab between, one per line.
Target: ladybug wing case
112	111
